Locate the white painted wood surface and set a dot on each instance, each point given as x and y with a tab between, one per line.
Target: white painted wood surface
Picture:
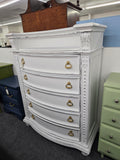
46	53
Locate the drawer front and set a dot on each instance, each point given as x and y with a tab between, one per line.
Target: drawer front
64	118
54	101
67	133
110	134
111	117
109	149
11	93
14	109
8	99
111	98
51	64
55	84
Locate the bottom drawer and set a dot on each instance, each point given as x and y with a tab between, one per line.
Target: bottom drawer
109	149
14	109
19	113
66	133
110	134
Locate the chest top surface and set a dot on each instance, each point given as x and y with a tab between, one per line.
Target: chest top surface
83	37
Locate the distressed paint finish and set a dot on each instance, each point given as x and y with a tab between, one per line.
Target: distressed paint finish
59	81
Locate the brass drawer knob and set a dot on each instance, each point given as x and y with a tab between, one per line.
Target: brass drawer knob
33	117
70	133
69	103
10	96
116	101
113	120
11	104
70	119
30	104
28	91
25	77
68	65
22	61
111	137
68	85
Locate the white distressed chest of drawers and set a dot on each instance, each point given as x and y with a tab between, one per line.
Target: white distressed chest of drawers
59	73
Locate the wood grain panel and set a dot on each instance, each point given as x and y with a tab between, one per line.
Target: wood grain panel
50	18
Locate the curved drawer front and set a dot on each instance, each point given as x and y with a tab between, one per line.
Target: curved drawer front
55	84
61	131
54	101
64	118
51	64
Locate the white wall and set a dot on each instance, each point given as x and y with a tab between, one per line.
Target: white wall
6	56
110	63
14	28
94	15
4	31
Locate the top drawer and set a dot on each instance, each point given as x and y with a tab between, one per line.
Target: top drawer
111	98
51	64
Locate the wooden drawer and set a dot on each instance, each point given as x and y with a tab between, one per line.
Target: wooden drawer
110	134
55	84
51	64
111	98
109	149
58	101
67	118
10	92
59	130
111	117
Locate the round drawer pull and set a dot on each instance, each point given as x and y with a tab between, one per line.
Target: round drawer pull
68	65
108	151
28	91
69	103
68	85
111	137
116	101
70	119
33	117
71	134
25	77
22	61
30	104
11	105
10	96
113	120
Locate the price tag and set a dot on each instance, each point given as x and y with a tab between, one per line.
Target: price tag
7	92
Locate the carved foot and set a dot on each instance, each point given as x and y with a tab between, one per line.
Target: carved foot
27	124
84	154
102	155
